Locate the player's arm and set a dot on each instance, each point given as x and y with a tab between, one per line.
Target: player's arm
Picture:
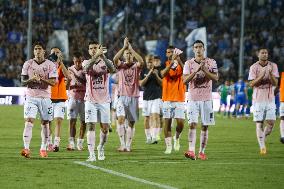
208	74
25	80
143	81
166	70
93	60
62	66
257	80
159	80
50	81
188	77
273	79
109	64
136	56
120	53
179	61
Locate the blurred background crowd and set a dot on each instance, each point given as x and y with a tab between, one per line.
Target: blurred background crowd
143	20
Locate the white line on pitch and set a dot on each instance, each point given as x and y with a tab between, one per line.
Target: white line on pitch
124	175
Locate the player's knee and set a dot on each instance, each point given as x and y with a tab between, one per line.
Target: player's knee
204	127
91	126
193	125
282	117
121	120
270	123
43	122
30	120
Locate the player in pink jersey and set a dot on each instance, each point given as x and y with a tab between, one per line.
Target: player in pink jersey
128	91
263	77
198	73
97	105
76	105
38	74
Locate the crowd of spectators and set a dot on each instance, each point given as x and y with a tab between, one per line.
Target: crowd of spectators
143	20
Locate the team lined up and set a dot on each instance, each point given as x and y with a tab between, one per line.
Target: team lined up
164	89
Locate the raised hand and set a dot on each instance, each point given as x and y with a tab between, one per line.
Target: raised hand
125	43
99	51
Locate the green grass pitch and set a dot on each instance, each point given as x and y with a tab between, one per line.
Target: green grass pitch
233	160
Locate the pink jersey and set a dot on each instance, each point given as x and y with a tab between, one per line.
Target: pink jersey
200	87
128	80
45	70
97	86
77	88
263	92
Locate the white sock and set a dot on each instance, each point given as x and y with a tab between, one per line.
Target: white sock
80	141
44	136
49	140
56	141
27	134
168	142
103	138
121	134
203	140
129	136
282	128
260	135
72	141
191	139
148	133
91	139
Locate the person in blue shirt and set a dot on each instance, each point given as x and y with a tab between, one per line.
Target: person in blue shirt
240	90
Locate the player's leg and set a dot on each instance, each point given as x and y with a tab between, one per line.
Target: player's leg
104	119
46	114
80	139
121	129
30	111
72	112
59	112
167	115
146	114
132	114
207	118
91	113
270	118
192	115
258	118
281	122
155	117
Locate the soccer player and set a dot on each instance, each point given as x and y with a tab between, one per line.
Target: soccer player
199	72
249	99
76	105
263	78
224	92
128	91
97	106
240	97
173	96
58	98
38	74
151	82
281	111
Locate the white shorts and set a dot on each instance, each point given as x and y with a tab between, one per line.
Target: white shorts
281	109
128	107
173	110
58	109
97	113
42	105
264	111
75	108
204	108
151	107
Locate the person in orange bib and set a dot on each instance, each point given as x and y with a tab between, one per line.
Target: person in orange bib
282	107
173	96
58	98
